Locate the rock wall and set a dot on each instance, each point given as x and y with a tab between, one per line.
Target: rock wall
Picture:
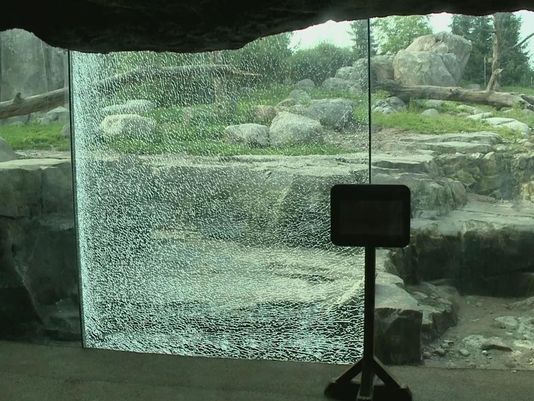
29	66
38	268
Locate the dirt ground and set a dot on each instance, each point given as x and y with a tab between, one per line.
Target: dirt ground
507	344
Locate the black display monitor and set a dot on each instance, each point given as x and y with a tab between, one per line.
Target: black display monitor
370	215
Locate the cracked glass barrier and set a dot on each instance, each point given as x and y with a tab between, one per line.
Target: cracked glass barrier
202	185
460	295
38	268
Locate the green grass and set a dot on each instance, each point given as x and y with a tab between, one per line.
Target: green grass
35	136
415	122
217	148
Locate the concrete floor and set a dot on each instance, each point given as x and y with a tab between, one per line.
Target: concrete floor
34	372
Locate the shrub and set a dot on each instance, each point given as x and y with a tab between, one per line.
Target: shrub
319	63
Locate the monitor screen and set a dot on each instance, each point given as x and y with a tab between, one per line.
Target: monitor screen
370	215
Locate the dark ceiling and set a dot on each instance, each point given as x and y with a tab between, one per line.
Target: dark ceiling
199	25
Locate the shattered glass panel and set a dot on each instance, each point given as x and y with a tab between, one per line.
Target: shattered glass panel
203	200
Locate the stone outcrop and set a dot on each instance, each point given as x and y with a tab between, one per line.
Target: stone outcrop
102	26
248	134
293	129
437	59
6	153
38	251
29	66
127	126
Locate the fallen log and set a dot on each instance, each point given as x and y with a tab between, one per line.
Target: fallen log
45	101
22	106
181	72
492	98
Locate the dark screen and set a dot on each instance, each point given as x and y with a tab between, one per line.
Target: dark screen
371	217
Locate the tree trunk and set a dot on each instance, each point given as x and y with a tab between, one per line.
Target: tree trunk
496	99
497	51
22	106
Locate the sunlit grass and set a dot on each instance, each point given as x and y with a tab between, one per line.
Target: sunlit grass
35	136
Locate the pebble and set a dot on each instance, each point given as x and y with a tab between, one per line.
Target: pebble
440	351
426	355
484	352
464	352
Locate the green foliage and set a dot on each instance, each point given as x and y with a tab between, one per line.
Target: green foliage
477	29
397	32
413	121
359	33
267	56
514	59
319	62
35	136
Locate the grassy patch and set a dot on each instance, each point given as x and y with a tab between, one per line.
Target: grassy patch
35	136
415	122
216	148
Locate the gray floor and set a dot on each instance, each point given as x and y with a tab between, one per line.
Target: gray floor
33	372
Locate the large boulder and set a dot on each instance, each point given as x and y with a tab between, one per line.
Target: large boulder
390	105
333	113
248	134
437	59
29	66
132	106
129	126
6	153
263	114
340	84
292	129
381	70
305	84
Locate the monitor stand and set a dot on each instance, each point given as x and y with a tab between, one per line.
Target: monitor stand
344	387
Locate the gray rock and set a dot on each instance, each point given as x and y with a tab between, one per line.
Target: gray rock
335	113
390	105
439	305
507	322
29	66
132	106
293	129
511	123
381	69
286	103
341	85
430	113
464	352
466	247
437	59
248	134
350	73
480	116
440	352
300	96
264	114
398	322
6	153
128	126
60	114
305	84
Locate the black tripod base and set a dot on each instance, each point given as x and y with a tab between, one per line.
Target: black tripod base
345	388
381	392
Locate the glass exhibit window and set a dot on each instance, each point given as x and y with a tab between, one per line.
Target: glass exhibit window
468	156
38	267
203	198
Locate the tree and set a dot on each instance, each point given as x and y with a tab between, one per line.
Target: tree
268	57
319	62
514	56
360	38
478	30
396	33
